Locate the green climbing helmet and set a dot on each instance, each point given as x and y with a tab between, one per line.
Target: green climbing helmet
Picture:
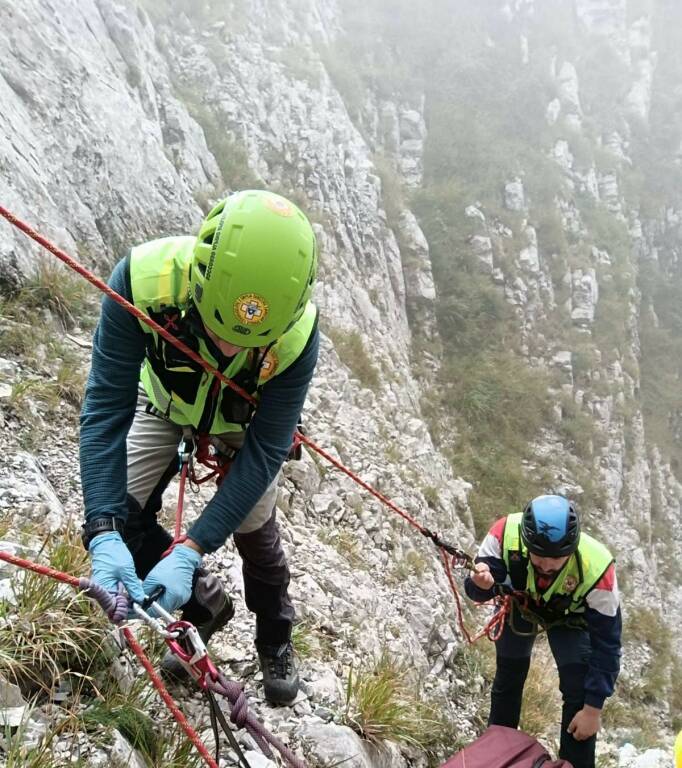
253	267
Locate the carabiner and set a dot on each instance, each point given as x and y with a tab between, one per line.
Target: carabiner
190	650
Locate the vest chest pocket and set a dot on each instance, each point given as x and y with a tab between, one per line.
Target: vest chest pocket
176	372
234	409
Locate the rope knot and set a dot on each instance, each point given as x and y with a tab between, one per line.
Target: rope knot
114	605
240	710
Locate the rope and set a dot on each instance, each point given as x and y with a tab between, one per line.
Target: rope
192	735
115	606
243	718
109	603
495	626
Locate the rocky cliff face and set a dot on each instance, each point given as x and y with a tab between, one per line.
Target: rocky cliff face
122	121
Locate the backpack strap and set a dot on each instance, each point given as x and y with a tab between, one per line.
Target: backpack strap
518	567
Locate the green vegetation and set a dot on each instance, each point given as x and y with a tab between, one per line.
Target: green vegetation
231	156
67	386
26	333
311	641
68	296
301	63
51	635
541	709
659	682
413	563
661	364
131	720
499	406
346	544
382	704
351	349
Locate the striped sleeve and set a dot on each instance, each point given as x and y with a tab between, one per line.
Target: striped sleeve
490	552
605	598
604	626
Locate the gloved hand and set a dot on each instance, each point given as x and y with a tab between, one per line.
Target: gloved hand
175	573
112	562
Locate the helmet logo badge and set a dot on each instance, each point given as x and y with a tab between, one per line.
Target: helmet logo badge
279	205
249	308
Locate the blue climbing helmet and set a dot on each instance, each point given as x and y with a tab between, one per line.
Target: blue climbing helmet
550	526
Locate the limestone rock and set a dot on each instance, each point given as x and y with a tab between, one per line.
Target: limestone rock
604	17
25	489
529	257
13	707
329	743
482	248
629	757
514	197
562	155
584	295
8	368
553	111
568	87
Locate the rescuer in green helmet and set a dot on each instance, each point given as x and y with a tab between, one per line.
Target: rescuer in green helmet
239	296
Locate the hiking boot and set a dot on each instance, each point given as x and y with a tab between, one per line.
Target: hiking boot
209	609
280	675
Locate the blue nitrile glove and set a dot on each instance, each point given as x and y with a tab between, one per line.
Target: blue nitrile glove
175	573
112	562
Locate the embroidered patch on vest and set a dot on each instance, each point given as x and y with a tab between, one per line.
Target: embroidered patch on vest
269	366
570	583
250	308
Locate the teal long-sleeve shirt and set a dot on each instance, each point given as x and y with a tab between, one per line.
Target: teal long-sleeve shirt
109	407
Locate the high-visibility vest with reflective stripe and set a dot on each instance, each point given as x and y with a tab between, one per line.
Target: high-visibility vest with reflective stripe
177	386
577	578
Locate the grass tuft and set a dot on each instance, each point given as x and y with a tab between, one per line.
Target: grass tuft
350	347
67	295
541	711
382	703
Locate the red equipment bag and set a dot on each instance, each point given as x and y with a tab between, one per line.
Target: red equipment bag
501	747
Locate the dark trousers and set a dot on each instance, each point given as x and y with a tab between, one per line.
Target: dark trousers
571	650
266	573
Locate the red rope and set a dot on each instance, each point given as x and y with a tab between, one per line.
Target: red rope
74	581
44	570
64	257
298	437
192	735
493	628
181	496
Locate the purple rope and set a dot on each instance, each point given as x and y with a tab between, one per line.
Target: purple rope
242	718
115	605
